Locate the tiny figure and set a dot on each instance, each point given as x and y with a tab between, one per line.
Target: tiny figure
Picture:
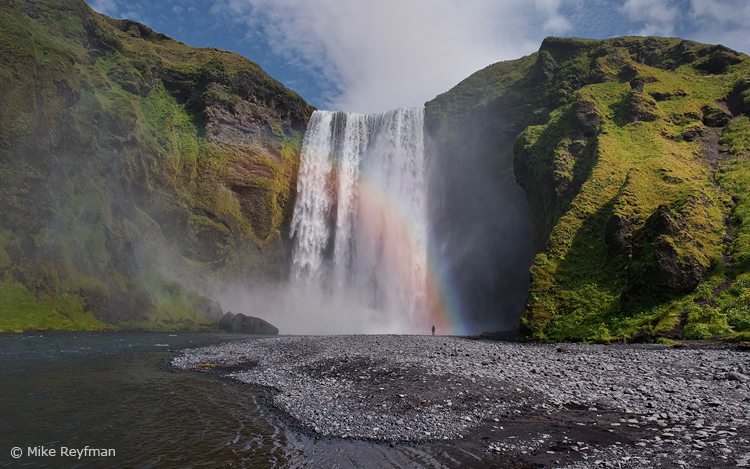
433	329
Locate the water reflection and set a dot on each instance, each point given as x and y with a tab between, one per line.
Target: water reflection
110	390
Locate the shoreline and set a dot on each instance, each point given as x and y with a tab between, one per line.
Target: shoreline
544	404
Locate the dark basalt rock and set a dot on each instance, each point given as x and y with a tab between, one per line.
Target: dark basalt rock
667	267
715	117
680	273
585	118
667	96
617	235
637	84
692	134
641	107
720	59
738	100
241	324
663	221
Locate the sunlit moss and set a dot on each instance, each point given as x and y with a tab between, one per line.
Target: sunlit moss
632	165
110	167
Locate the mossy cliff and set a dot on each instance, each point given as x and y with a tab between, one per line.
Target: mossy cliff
134	171
634	155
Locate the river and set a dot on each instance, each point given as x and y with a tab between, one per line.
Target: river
105	399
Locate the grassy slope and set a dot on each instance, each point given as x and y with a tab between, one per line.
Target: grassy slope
593	149
111	184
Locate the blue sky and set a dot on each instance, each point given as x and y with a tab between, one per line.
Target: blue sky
374	55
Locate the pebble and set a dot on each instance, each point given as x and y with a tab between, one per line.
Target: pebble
425	388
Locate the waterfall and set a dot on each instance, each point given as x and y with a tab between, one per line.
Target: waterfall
359	227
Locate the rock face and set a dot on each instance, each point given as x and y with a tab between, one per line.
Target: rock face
241	324
135	171
633	156
480	217
677	271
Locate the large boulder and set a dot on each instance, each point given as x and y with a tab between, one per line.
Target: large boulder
241	324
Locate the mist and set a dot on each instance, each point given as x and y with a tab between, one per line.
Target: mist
301	308
480	220
350	268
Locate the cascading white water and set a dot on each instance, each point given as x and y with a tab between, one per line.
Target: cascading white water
359	224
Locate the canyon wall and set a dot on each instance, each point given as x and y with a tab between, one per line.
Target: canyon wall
136	172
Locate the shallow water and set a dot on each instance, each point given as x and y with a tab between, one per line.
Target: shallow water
110	391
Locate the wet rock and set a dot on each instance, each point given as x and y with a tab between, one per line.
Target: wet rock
210	308
241	324
392	389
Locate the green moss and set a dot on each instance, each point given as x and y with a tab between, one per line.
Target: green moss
630	168
737	135
20	311
107	171
734	177
175	307
739	337
705	322
175	129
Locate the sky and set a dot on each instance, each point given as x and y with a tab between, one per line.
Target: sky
370	56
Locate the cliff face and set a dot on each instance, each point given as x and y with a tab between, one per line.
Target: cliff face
132	166
634	157
481	221
137	172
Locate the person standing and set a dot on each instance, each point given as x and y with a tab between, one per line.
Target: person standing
433	329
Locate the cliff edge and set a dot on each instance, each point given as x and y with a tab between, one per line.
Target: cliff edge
135	171
634	157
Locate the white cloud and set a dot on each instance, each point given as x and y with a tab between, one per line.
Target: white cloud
115	9
722	11
722	22
656	17
106	7
554	21
380	55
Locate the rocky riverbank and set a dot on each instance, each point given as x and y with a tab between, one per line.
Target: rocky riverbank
570	405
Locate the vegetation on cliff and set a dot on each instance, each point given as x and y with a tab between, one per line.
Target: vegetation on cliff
134	171
634	154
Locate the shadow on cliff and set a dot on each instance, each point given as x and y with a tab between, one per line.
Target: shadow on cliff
480	219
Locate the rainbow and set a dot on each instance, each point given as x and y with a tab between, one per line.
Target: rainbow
441	305
361	224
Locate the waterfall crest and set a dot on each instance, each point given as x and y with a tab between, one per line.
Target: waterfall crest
359	227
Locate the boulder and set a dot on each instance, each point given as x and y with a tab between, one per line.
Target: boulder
586	118
242	324
617	234
641	107
664	254
715	117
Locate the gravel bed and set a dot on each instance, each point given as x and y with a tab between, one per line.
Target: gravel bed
570	405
